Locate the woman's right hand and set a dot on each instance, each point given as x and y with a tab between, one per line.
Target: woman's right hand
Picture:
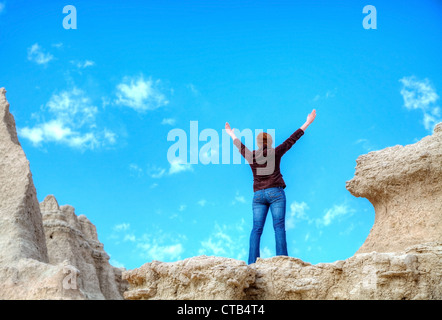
230	131
310	118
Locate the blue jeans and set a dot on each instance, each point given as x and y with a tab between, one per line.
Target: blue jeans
273	198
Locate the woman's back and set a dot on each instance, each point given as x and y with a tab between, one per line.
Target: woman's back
265	161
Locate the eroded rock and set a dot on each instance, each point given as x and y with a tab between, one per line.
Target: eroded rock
414	273
60	258
75	240
197	278
404	185
21	225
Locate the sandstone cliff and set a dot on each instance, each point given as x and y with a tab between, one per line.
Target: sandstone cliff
415	273
404	185
54	256
400	259
21	225
74	239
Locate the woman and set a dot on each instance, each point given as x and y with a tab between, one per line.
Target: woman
268	185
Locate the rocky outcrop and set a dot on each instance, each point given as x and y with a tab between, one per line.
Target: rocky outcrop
404	185
74	239
415	273
198	278
21	225
60	258
401	258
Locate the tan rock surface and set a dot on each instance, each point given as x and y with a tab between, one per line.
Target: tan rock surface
404	185
21	226
75	240
415	273
197	278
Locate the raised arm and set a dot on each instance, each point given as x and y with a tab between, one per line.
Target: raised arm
245	152
287	144
230	131
310	118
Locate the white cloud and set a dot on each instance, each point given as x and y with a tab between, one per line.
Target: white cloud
2	7
35	135
193	89
72	122
366	145
140	94
56	131
227	241
156	245
134	168
122	227
161	246
202	202
116	263
129	237
238	199
176	166
123	231
156	172
266	253
182	207
326	95
154	251
333	213
297	213
37	55
72	107
83	64
169	121
420	95
109	136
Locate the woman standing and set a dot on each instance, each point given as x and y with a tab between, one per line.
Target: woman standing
268	185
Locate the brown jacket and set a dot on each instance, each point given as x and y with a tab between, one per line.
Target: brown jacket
265	162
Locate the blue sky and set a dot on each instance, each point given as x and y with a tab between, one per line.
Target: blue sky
94	105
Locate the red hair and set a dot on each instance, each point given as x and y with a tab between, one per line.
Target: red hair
264	139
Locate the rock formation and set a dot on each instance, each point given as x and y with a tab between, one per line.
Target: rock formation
404	185
401	258
21	226
415	273
197	278
74	239
60	258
